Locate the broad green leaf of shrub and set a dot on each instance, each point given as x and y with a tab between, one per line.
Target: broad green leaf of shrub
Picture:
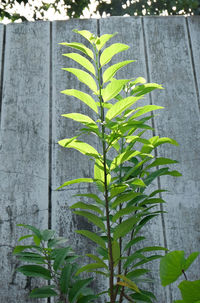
35	271
111	71
85	98
81	47
77	289
82	61
110	51
190	291
83	77
43	292
171	267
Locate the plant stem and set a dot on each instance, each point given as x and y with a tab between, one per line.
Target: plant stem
111	263
184	274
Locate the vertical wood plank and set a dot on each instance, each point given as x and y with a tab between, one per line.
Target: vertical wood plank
24	147
1	59
170	64
194	32
130	32
68	164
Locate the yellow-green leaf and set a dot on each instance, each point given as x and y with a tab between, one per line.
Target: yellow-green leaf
110	51
83	77
111	71
92	236
87	99
82	61
121	106
81	47
82	147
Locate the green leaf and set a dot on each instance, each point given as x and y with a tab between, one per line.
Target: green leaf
57	241
133	241
82	61
120	106
130	283
86	34
81	47
152	201
92	236
116	252
65	278
87	206
80	180
111	71
90	267
61	254
33	229
190	291
121	158
43	292
99	174
92	196
97	259
192	257
35	271
137	273
156	141
92	218
110	51
87	99
145	109
124	198
20	248
83	77
125	211
117	189
82	147
25	237
138	182
141	90
126	226
101	41
86	299
47	234
171	267
31	257
82	119
161	161
148	259
113	88
77	288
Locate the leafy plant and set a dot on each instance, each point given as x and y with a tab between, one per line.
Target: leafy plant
172	266
55	263
124	166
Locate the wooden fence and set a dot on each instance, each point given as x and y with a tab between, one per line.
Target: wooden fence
33	165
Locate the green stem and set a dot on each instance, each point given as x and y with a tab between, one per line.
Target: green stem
111	263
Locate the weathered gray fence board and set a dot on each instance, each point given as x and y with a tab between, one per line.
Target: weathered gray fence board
167	51
194	29
170	63
68	164
131	33
24	146
1	54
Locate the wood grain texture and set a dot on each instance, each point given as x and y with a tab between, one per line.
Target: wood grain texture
194	29
167	50
24	147
68	164
170	63
130	32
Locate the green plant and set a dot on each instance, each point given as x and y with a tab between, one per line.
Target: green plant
52	261
122	206
172	266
